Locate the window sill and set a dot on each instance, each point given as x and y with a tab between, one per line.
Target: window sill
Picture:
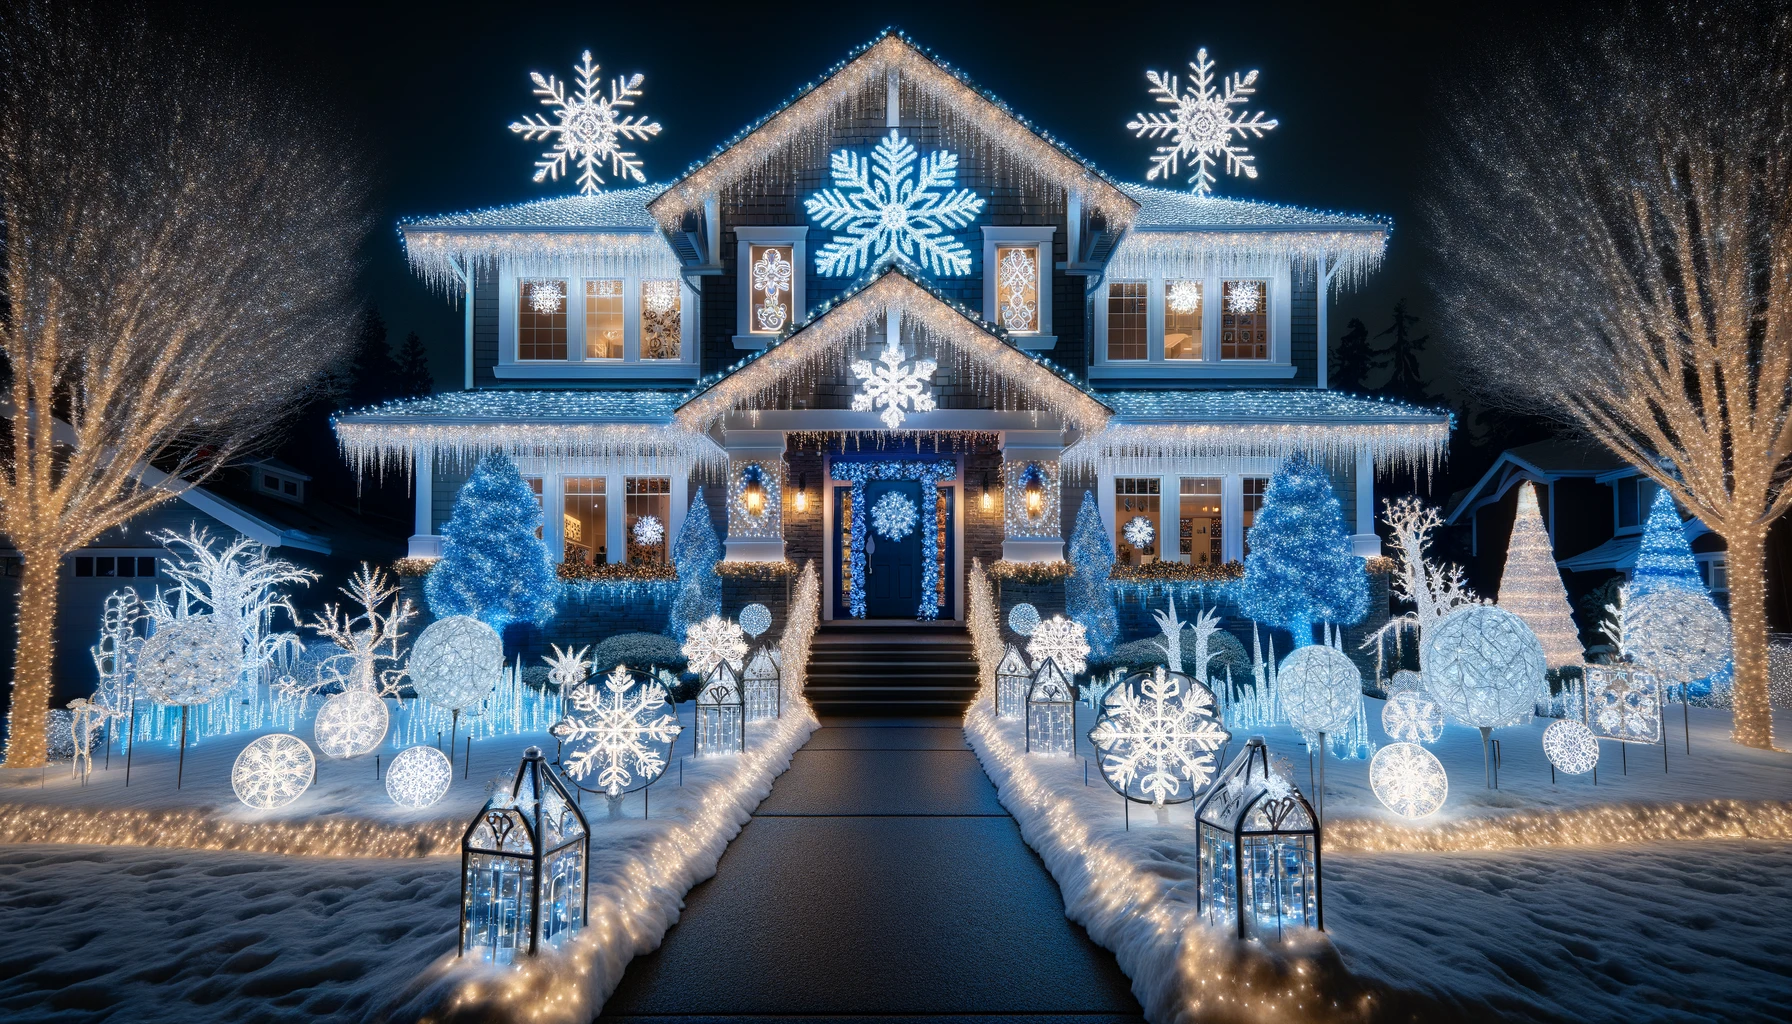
753	342
651	370
1034	342
1191	370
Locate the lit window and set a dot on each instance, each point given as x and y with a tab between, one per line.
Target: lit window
1182	320
661	321
1017	288
1126	320
648	496
541	320
603	319
1200	520
1244	321
1255	487
773	276
534	483
582	519
1133	498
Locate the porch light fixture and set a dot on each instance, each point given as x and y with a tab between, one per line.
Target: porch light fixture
754	496
988	501
1034	493
802	492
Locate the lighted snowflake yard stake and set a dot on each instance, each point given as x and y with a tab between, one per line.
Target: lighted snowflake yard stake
1679	634
1571	747
713	641
892	384
1203	126
755	619
1412	717
771	275
1408	780
893	516
273	771
648	531
616	731
890	206
589	129
1156	730
1023	619
1624	704
568	668
351	724
419	777
1139	531
1062	641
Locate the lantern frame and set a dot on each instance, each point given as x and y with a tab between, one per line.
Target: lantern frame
1051	710
754	680
1014	683
719	694
489	838
1254	817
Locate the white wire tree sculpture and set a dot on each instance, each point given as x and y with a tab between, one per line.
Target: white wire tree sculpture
240	586
1435	590
366	668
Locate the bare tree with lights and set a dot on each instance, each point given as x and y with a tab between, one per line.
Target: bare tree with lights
180	242
1616	215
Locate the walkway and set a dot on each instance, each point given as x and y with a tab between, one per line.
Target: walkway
881	878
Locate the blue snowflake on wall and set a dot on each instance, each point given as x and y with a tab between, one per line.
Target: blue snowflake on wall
895	203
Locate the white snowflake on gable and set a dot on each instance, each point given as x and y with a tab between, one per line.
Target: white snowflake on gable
893	384
897	203
617	731
589	130
1203	125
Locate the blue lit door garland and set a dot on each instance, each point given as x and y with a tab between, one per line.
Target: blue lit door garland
928	472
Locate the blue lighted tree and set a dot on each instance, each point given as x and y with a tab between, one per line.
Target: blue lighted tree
1300	569
1087	596
493	566
694	556
1665	560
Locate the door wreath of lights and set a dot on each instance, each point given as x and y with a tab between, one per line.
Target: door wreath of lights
928	472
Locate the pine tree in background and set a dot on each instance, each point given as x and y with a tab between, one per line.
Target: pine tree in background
374	377
1087	597
1665	559
414	378
1531	585
1400	357
694	556
493	566
1351	359
1300	570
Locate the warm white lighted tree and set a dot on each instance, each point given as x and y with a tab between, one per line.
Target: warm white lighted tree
1531	585
180	248
1617	210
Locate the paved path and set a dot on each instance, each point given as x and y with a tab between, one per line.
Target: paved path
881	879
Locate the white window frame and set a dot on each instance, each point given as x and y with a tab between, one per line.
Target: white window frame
576	366
553	474
1279	365
1042	340
1230	472
795	236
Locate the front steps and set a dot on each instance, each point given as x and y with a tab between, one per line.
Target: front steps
909	670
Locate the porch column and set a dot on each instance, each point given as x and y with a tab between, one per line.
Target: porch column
755	538
424	543
1026	538
1365	543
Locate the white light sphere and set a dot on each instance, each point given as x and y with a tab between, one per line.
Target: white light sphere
456	662
419	776
1678	634
1405	679
351	723
273	771
1408	780
1483	666
1571	747
1320	688
755	619
190	661
1023	619
1412	717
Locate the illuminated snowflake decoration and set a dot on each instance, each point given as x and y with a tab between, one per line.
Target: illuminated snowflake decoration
713	641
1203	126
588	127
1184	296
1061	640
1320	688
546	297
659	296
1244	298
351	724
1408	780
1016	278
893	516
1482	665
1156	731
1139	531
273	771
1412	717
897	203
755	619
190	661
894	385
419	777
568	668
772	275
648	531
617	731
1624	704
1571	747
1023	619
456	661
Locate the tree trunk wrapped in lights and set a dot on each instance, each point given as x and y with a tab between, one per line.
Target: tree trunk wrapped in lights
181	247
1619	254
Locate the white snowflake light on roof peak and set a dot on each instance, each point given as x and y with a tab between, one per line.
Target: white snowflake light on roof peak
1203	126
589	127
897	203
893	384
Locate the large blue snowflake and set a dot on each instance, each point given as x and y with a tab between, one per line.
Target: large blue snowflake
895	203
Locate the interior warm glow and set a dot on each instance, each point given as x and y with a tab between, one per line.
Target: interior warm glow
753	496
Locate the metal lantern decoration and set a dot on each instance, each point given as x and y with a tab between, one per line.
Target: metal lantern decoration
1051	712
1033	490
721	713
1014	677
762	690
522	874
752	492
1258	845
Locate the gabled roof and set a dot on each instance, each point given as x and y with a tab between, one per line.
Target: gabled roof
1165	209
963	108
842	323
1546	461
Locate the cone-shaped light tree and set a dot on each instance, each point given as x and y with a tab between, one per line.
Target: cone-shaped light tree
1087	596
1531	585
1665	559
694	556
493	566
1300	570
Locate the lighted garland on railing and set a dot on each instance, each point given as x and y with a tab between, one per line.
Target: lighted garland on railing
1030	572
759	571
1176	572
928	472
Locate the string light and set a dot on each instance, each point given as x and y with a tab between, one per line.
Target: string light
1531	585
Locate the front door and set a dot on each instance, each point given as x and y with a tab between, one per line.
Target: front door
892	567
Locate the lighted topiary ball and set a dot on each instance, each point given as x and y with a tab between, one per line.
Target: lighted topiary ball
351	723
419	777
1320	688
457	661
1023	619
1483	666
190	661
755	619
1678	634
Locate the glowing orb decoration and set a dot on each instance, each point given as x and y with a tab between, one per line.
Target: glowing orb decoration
190	661
1412	717
1571	747
457	661
1320	688
755	619
1158	729
273	771
1138	531
1023	619
1678	634
351	723
419	776
1061	640
893	516
622	732
648	531
1406	679
1408	780
1483	666
713	641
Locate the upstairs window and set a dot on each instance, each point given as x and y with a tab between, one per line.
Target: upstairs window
662	323
771	290
541	320
1244	321
603	319
1017	288
1636	494
1127	333
1182	319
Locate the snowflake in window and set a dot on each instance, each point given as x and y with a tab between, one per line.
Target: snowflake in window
1184	296
589	129
1203	124
713	641
616	731
1018	279
894	385
545	297
890	206
1061	640
771	275
893	516
648	531
1156	730
1243	297
1139	531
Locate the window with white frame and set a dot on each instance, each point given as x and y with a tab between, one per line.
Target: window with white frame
647	497
1127	305
1017	283
1714	569
1017	288
597	325
603	318
1182	320
1189	325
1244	320
769	271
1137	498
1253	490
662	320
541	319
1199	525
583	522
